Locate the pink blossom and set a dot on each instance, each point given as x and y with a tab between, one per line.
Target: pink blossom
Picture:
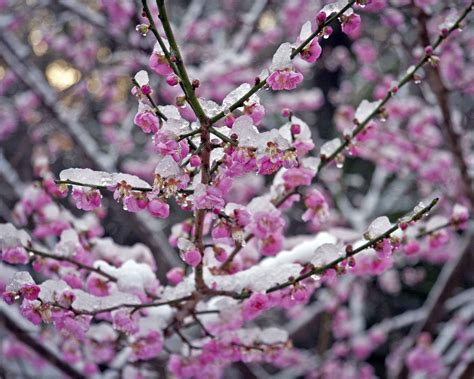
312	51
9	297
147	121
30	291
166	144
208	197
271	244
159	64
266	223
255	305
158	208
296	177
256	111
284	79
124	321
15	255
86	199
148	346
423	359
351	25
97	285
30	312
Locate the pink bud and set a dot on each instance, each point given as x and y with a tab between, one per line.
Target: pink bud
229	120
172	80
8	297
175	275
295	129
321	17
195	161
192	257
286	112
146	89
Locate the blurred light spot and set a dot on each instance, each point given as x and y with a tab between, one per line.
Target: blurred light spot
37	43
103	54
123	87
94	85
3	72
61	75
267	21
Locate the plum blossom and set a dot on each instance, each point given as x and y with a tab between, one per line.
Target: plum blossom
86	199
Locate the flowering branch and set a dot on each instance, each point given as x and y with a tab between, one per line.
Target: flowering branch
350	253
347	140
70	260
407	78
260	83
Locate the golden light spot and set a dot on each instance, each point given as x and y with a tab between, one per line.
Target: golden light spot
61	75
3	72
123	86
267	21
103	54
94	85
35	37
40	49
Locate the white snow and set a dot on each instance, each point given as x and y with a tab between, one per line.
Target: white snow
365	109
330	147
141	77
247	133
379	226
100	178
131	276
282	57
12	237
167	167
18	280
67	244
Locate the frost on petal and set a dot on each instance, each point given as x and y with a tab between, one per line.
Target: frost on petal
210	107
18	280
250	336
131	276
157	48
141	77
100	178
170	111
449	21
336	7
106	249
379	226
85	302
304	134
12	237
233	96
282	57
272	136
51	288
365	109
305	30
419	207
247	133
167	167
68	243
325	254
330	147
